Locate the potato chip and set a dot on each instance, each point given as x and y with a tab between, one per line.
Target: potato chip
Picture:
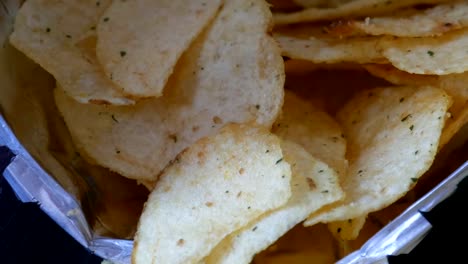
330	50
431	22
347	229
356	8
232	73
432	55
140	41
47	31
453	84
216	186
313	185
393	135
303	123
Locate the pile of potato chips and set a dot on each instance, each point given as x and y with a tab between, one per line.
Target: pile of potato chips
251	120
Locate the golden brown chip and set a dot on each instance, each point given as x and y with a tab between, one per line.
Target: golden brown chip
140	41
239	79
356	8
218	185
313	185
393	135
47	33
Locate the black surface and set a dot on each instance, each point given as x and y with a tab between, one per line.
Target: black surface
28	235
447	240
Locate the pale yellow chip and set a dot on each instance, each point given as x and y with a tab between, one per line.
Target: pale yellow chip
330	50
215	187
431	22
441	55
393	135
239	79
313	185
455	85
140	41
354	8
303	123
347	229
47	33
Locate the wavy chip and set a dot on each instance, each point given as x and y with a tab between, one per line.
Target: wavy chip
47	32
140	41
441	55
232	73
303	123
393	135
453	84
215	187
431	22
356	8
313	185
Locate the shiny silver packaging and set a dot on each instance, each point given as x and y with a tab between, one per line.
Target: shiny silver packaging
47	170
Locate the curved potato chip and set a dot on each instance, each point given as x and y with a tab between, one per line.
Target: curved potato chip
232	73
313	184
355	8
140	41
455	85
330	50
303	123
46	31
441	55
431	22
215	187
393	134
